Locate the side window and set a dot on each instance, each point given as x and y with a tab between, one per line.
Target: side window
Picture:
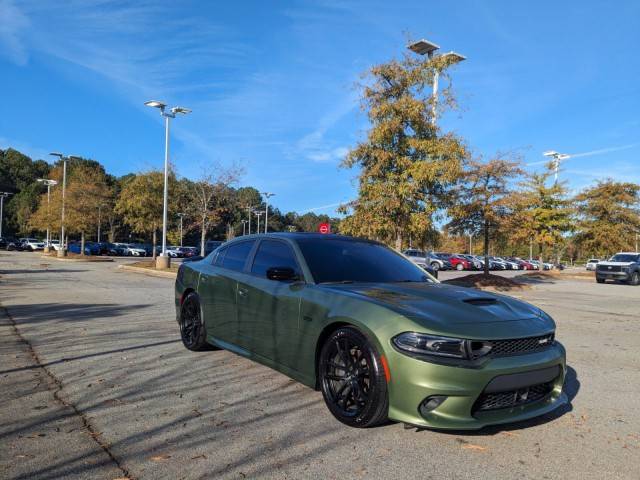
218	257
236	255
273	254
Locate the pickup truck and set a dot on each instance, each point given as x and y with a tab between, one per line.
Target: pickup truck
623	267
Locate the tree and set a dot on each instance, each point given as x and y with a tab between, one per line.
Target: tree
481	203
541	214
87	193
608	217
141	203
406	164
212	198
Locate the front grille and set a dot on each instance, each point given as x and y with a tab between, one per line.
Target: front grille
512	398
609	268
503	348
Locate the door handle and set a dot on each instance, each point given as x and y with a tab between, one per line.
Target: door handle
242	292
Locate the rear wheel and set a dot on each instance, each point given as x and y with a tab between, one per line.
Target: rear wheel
459	267
192	329
352	379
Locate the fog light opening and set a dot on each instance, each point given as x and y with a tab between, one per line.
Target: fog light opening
431	403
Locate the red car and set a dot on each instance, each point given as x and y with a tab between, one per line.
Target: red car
457	262
523	263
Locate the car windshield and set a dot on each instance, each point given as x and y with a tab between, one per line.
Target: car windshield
624	257
345	261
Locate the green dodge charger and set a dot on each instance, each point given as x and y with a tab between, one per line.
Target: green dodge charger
379	336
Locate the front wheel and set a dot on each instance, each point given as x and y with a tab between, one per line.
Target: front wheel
599	280
435	266
459	267
353	380
192	329
635	279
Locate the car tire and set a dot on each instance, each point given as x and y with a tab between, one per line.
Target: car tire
599	280
353	379
635	279
192	328
435	266
459	267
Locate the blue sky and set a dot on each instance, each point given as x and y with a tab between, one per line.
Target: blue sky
272	83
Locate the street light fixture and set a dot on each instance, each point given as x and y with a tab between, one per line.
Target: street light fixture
164	258
258	214
425	47
249	209
49	183
244	226
3	195
267	195
556	158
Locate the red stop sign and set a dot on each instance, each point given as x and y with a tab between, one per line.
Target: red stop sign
324	228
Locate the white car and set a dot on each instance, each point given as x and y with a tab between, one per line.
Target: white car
175	252
592	264
32	244
55	244
134	251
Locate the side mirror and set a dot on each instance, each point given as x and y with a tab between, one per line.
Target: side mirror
282	274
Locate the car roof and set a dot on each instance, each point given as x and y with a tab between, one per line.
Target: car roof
303	235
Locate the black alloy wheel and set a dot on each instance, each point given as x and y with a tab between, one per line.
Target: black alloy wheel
192	329
635	279
352	379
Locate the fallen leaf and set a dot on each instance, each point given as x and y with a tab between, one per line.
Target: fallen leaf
159	458
198	456
477	448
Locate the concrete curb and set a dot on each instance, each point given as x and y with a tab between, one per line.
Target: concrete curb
147	271
66	259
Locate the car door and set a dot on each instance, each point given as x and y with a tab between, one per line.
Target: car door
217	288
268	310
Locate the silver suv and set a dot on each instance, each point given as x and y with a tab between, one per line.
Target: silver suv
424	259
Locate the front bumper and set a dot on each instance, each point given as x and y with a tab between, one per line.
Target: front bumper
606	275
413	380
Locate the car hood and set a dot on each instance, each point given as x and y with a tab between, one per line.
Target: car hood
452	309
615	264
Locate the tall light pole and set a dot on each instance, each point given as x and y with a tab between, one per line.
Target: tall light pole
181	215
49	183
3	195
556	158
425	47
258	214
62	249
165	261
249	209
267	195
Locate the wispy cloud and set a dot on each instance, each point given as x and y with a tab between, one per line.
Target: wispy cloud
605	150
13	24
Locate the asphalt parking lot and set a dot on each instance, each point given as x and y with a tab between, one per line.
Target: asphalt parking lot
94	383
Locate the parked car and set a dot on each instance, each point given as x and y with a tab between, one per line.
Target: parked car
174	252
54	244
623	267
475	263
457	262
31	244
189	251
375	334
524	265
13	244
4	242
136	250
425	259
592	264
90	248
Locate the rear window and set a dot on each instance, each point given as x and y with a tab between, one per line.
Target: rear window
236	255
338	260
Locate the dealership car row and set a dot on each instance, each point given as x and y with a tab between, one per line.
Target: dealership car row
458	261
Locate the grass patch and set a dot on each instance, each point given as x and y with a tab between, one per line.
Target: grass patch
151	265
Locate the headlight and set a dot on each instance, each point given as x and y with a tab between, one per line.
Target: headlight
431	345
423	344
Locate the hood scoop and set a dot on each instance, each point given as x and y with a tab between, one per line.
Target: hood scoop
481	301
